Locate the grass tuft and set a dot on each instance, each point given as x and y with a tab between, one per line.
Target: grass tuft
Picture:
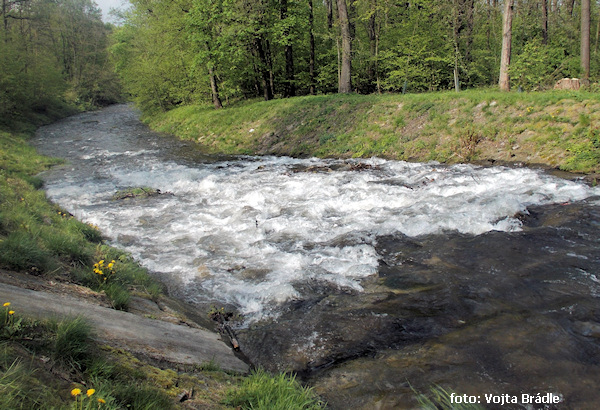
72	342
261	390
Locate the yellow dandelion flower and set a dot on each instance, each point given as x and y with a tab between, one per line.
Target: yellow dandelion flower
110	265
75	392
90	392
11	312
7	304
101	401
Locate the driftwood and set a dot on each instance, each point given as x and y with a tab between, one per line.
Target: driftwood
567	84
222	318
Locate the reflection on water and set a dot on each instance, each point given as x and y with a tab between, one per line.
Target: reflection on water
360	274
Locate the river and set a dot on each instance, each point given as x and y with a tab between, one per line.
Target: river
370	278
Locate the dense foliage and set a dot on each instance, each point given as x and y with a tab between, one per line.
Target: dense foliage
178	52
53	52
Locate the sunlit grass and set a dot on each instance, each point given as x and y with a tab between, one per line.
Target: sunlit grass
377	125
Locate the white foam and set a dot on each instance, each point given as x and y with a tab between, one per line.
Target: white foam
249	231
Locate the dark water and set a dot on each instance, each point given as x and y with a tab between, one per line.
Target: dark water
371	279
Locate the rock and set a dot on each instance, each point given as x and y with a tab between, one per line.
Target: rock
589	329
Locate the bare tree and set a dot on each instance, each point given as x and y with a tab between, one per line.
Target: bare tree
504	81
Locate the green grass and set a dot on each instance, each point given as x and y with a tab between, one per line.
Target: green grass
417	127
261	390
71	344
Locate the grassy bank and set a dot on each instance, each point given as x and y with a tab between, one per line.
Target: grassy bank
558	129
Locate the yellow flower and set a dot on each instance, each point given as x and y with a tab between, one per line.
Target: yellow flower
101	401
11	312
75	392
101	262
90	392
110	265
7	304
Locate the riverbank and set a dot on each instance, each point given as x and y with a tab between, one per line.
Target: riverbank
553	129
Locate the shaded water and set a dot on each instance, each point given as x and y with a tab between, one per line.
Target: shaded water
361	275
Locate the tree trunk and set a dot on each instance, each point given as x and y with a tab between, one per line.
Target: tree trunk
329	4
269	61
311	62
372	33
570	7
264	74
545	22
214	87
504	81
585	41
345	83
597	35
289	85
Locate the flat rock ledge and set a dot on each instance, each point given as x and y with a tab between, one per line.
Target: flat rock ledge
157	339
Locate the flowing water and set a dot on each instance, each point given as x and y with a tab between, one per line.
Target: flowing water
368	277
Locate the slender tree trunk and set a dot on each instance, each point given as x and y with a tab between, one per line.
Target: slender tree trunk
504	80
597	35
311	62
372	33
545	22
269	61
456	24
289	86
329	4
585	41
214	87
5	20
263	71
570	7
345	83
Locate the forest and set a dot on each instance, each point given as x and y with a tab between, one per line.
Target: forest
167	53
175	52
53	53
